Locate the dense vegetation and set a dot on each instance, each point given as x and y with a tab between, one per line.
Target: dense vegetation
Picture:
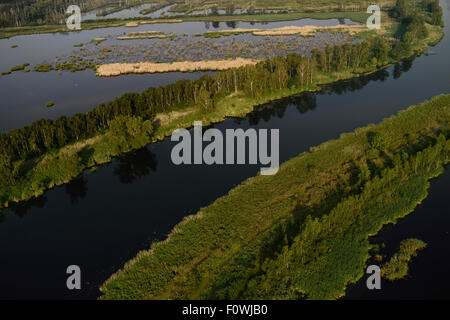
302	233
397	267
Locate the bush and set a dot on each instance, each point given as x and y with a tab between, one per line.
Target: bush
378	141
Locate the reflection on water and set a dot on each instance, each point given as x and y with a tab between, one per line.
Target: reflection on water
106	219
140	163
136	164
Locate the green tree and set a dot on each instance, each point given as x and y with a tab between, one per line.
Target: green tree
205	101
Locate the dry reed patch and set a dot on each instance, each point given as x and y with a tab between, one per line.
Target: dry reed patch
116	69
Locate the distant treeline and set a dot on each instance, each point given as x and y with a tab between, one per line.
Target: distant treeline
270	75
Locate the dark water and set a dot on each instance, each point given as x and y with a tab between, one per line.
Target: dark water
104	218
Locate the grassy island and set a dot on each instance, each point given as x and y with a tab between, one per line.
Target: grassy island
302	233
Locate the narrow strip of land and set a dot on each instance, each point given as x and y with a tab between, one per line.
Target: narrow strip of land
116	69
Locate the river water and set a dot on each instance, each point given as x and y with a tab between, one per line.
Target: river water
105	217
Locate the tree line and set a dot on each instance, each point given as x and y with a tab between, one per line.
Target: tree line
413	16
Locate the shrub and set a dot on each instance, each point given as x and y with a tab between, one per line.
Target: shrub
378	141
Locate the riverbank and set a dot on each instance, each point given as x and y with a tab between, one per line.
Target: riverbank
108	23
304	232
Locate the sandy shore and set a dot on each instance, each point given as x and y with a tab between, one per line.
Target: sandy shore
116	69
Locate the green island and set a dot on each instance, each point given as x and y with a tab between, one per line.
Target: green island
304	232
398	266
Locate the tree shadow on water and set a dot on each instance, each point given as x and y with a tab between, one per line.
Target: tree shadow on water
20	209
135	165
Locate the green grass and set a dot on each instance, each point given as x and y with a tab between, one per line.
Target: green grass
397	267
304	231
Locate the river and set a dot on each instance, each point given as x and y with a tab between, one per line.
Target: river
106	217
